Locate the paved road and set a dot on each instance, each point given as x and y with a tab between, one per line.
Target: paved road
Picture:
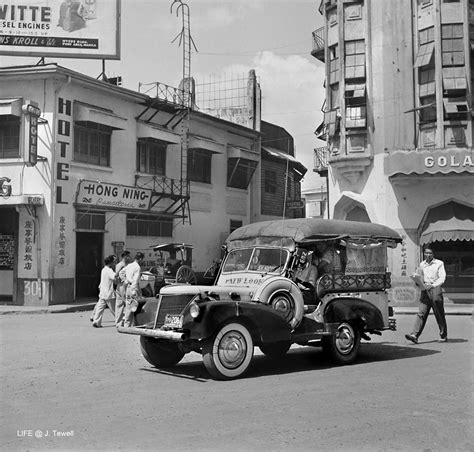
90	389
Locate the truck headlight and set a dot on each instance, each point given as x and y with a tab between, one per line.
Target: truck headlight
194	310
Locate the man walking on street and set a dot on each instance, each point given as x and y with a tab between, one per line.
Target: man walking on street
120	289
106	290
433	275
132	280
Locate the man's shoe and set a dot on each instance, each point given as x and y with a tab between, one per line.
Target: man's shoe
411	338
443	339
96	325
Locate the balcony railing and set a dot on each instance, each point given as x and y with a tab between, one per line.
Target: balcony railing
163	92
318	44
164	186
321	160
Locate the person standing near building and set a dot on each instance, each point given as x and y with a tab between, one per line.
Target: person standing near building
106	290
132	280
433	275
120	289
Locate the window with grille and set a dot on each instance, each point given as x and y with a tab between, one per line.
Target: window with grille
270	182
426	47
454	78
452	45
199	165
151	156
356	117
355	94
9	137
90	220
355	59
240	172
92	143
149	226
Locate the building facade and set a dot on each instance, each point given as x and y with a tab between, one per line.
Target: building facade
88	168
398	127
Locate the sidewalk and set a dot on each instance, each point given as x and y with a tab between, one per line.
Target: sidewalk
88	305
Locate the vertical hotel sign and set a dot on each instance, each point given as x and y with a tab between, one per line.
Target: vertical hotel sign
63	28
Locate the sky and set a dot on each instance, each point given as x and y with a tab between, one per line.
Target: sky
271	36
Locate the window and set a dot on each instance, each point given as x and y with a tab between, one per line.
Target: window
240	172
92	143
270	181
454	78
151	156
426	81
331	119
353	12
355	117
90	220
334	96
333	64
454	106
9	137
199	165
452	45
428	109
425	54
355	94
235	224
149	226
355	59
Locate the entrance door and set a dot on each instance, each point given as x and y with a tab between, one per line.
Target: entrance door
88	263
8	251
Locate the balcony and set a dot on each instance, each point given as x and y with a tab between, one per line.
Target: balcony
321	161
165	93
318	44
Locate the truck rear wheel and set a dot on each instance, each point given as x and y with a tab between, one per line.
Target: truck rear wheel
228	354
343	346
160	354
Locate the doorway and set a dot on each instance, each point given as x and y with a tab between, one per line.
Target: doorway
8	252
89	249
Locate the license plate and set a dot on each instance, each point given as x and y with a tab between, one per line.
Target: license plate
173	321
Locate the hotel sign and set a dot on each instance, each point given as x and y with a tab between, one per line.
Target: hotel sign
63	28
112	196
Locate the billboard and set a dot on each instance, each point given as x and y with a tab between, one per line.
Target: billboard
61	28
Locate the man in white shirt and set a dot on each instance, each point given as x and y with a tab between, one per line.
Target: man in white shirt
120	295
433	273
106	290
131	275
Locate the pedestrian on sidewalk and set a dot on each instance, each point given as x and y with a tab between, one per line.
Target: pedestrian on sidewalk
131	273
120	289
433	274
106	290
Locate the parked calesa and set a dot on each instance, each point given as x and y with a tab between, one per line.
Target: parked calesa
258	299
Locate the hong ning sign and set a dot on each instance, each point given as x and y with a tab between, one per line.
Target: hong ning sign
112	196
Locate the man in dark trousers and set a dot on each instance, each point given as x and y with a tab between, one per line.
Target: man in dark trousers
433	274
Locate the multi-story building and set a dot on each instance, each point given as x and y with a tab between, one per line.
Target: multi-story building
398	125
89	168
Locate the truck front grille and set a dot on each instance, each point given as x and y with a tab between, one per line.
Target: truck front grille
171	304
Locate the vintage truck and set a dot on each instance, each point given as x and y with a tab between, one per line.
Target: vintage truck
257	301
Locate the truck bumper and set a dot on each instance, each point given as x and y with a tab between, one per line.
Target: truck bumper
158	334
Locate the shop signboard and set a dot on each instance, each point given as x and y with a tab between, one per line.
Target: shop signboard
112	196
62	28
32	113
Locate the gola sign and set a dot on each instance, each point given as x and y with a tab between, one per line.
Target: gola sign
452	161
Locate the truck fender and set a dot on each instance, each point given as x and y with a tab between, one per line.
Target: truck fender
284	296
354	310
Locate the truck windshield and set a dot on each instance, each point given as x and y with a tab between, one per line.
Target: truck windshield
268	260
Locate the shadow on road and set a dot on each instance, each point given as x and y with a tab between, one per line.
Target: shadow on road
300	360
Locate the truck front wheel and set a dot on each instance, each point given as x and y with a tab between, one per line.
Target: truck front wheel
343	346
228	354
160	354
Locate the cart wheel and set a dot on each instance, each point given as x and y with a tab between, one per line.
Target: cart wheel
186	274
343	346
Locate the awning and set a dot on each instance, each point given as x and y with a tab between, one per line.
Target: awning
448	222
198	142
10	107
242	153
145	130
90	113
285	157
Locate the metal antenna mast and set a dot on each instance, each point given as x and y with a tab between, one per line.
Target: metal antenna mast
187	87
